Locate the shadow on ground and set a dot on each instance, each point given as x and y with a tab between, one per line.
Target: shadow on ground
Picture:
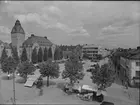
51	83
60	85
6	77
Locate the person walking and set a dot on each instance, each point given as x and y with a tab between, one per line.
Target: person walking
40	85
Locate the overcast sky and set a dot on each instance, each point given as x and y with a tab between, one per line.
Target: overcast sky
108	23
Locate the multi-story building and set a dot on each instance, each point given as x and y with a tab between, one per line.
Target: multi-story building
37	42
92	50
130	66
18	40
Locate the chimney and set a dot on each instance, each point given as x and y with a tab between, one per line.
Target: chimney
32	35
45	37
138	47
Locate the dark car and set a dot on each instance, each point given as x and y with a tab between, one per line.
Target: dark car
89	70
106	103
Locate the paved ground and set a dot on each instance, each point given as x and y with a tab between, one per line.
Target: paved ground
54	95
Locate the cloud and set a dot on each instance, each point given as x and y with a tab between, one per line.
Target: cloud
80	31
77	18
4	29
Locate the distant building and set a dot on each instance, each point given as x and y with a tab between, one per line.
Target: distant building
36	42
92	50
130	66
18	40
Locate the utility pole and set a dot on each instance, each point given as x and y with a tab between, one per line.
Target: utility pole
14	100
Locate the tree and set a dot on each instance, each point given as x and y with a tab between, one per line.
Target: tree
9	65
99	57
45	56
85	56
25	68
40	55
50	53
15	54
3	55
56	54
103	76
24	55
61	54
34	56
73	69
49	69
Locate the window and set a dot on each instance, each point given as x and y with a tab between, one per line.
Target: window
137	73
137	63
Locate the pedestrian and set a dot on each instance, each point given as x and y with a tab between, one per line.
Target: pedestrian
40	85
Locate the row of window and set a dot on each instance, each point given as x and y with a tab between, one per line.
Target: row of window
137	63
90	51
137	73
91	48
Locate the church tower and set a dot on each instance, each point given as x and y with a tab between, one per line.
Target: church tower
17	36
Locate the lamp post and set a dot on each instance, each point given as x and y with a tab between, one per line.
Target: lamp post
14	99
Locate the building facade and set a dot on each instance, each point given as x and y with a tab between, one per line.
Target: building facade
37	42
18	40
17	36
130	67
92	50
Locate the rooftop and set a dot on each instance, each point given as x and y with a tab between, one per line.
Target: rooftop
17	28
42	41
90	45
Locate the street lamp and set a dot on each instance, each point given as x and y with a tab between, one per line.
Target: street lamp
14	99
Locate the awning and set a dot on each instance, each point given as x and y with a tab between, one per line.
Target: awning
90	88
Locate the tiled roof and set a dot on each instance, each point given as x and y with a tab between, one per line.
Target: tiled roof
42	41
17	28
133	54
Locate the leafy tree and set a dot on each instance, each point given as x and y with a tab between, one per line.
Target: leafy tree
24	55
85	56
45	56
34	56
49	69
15	54
50	53
3	55
103	76
61	54
73	69
56	54
40	55
9	65
25	68
99	57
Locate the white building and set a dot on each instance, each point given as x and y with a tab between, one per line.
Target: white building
92	50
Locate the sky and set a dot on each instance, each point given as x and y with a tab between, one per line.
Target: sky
107	23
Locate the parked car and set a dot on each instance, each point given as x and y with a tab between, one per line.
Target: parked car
106	103
89	70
